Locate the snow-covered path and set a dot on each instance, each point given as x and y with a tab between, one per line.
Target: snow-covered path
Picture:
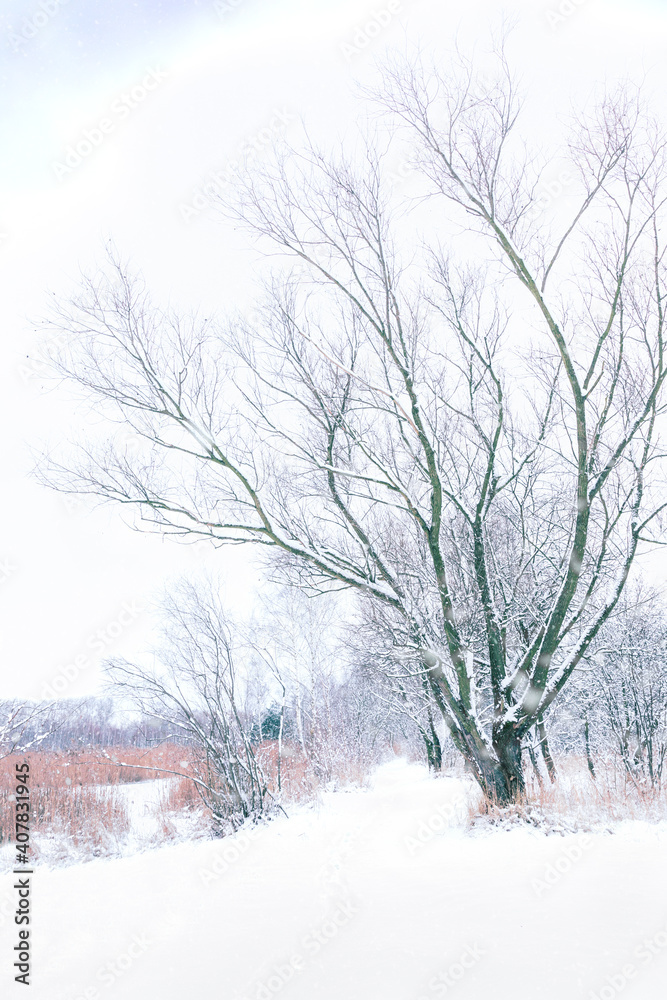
346	901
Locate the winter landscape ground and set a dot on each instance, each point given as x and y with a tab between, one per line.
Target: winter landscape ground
382	892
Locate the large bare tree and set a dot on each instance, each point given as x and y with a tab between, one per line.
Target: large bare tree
456	413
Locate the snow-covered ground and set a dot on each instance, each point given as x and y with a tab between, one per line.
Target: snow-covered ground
377	894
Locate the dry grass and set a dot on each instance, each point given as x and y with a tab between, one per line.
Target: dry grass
576	801
180	795
76	798
297	777
103	766
66	802
301	775
179	801
79	801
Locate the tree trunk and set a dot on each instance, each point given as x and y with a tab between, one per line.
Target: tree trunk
500	783
429	752
546	752
533	761
436	747
589	759
500	777
433	749
498	773
508	748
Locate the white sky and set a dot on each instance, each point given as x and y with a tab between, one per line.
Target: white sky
65	572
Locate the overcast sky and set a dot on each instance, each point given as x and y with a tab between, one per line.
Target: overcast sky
156	96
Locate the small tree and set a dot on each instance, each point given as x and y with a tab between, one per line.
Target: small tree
631	682
195	690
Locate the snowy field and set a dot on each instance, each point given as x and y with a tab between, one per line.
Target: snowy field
374	894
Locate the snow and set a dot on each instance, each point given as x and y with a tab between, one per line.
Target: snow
142	798
373	894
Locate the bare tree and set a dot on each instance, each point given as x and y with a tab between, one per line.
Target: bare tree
630	683
401	684
300	640
319	696
26	725
195	689
466	434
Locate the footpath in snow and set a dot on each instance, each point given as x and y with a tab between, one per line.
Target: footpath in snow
371	895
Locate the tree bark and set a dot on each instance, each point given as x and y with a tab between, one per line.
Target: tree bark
508	747
436	747
589	759
500	776
536	769
546	751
